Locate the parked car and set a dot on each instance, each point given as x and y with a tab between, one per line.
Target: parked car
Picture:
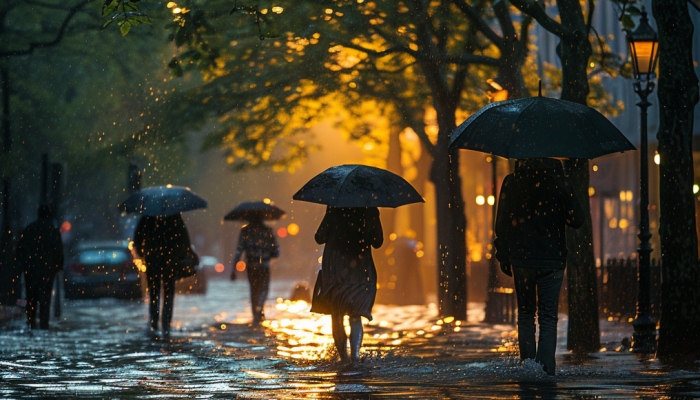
102	269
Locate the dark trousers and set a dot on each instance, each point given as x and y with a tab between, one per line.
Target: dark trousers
259	279
537	291
38	291
155	283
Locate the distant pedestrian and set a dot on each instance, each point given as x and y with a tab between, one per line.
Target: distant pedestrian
349	277
40	256
258	243
163	242
536	204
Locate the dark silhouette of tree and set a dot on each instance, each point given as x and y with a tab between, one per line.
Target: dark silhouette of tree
678	95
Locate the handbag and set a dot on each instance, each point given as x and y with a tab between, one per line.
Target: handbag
319	300
187	266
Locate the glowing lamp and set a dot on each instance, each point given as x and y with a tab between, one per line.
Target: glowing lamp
644	48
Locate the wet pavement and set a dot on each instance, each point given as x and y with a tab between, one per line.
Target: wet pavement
99	349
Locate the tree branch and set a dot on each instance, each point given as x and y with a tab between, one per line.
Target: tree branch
72	11
538	12
481	25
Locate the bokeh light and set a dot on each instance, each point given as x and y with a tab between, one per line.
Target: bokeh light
293	229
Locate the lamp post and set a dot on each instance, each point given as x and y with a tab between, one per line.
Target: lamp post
643	45
492	313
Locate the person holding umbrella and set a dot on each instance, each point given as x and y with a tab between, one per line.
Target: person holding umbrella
537	201
163	242
349	276
535	205
259	244
347	282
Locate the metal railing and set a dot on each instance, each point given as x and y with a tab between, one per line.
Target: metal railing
617	292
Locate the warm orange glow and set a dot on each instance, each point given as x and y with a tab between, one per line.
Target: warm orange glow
282	232
293	229
140	264
219	267
240	266
66	227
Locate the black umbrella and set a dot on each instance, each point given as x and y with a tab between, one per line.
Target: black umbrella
254	210
163	201
540	127
353	185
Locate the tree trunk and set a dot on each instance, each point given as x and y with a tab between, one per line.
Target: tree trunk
583	332
678	94
451	224
10	287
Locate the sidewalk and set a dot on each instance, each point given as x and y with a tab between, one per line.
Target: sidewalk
99	350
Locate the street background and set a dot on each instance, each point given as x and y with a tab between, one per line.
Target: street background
98	349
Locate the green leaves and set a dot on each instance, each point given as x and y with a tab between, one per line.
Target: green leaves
125	12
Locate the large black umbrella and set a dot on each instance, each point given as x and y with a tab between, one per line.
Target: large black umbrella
163	201
254	210
353	185
540	127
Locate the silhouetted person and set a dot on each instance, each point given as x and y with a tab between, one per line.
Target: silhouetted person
40	255
535	205
259	245
161	242
349	278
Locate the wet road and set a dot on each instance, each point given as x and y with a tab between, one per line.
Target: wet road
99	349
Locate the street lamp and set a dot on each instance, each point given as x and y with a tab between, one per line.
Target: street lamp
492	313
643	45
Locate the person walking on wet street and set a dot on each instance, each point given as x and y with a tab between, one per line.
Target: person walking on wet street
162	242
39	253
349	277
536	204
260	246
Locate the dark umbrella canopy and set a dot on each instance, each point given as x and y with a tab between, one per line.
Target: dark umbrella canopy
163	201
537	127
352	185
249	210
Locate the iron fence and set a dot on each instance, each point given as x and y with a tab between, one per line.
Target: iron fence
617	292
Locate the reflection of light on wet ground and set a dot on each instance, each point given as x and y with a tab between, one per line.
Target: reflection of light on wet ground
304	335
100	350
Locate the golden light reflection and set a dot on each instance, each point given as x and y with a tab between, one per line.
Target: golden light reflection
305	336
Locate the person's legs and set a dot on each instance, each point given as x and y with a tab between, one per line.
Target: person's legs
356	333
264	289
168	304
44	299
548	287
259	279
526	293
30	308
339	337
154	299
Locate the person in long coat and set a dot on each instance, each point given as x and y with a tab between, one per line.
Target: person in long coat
349	277
536	204
39	253
260	246
162	242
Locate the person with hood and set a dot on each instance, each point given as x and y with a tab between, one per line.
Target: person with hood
39	253
536	204
349	278
162	242
260	246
